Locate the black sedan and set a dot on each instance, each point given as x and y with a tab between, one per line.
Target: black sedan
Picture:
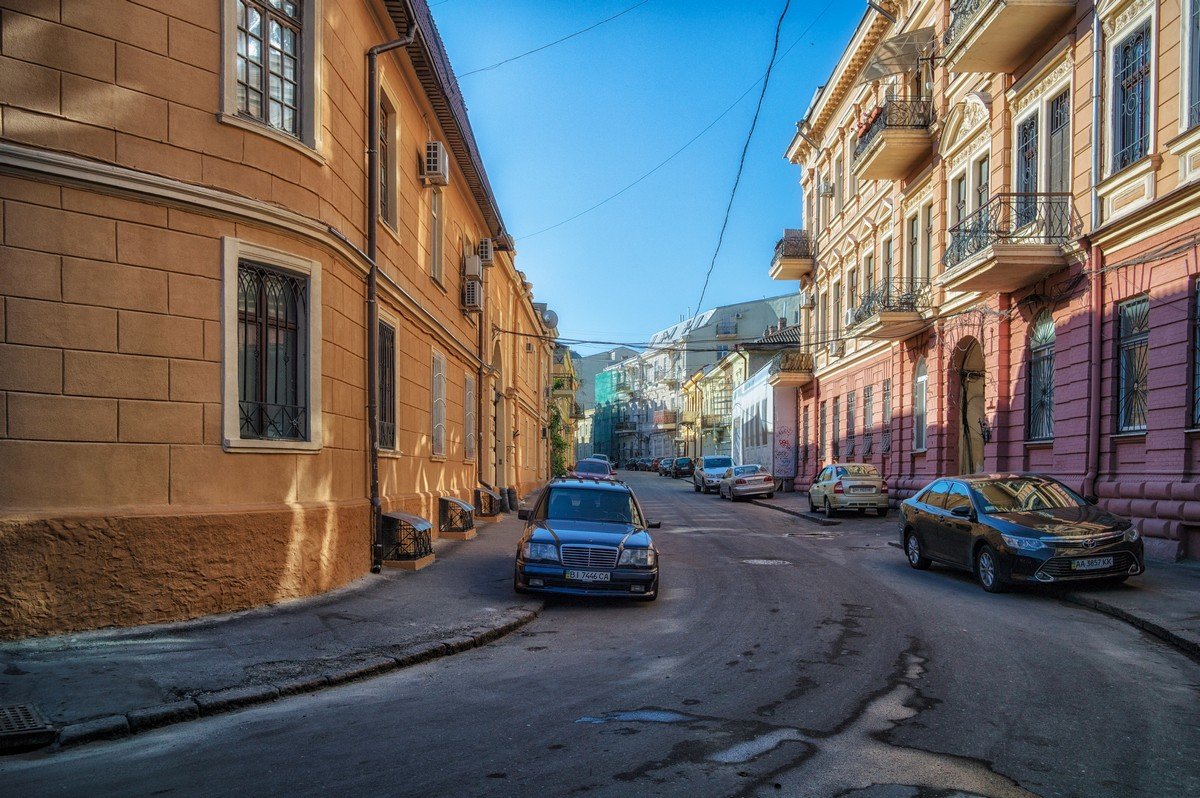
1017	528
587	538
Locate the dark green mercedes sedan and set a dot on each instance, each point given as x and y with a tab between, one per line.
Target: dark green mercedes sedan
586	537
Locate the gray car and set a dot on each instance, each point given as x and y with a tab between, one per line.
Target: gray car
742	481
709	472
849	486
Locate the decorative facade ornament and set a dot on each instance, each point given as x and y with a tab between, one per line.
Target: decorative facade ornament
1035	92
1123	16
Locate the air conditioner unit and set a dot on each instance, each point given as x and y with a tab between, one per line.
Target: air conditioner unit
837	348
472	293
472	268
437	164
808	299
485	251
851	318
826	189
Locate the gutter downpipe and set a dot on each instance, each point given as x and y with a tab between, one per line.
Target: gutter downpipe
1095	262
373	282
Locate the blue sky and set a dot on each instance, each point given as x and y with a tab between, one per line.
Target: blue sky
562	129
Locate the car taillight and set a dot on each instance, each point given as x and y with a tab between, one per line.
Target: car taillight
739	482
837	487
768	479
883	488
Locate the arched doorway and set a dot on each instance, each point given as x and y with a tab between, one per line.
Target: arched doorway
971	422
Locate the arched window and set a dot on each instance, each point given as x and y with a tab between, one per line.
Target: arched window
920	395
1039	416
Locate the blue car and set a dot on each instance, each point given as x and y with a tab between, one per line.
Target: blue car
587	538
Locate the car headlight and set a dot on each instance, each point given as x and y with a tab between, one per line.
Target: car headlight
639	558
545	552
1132	534
1021	544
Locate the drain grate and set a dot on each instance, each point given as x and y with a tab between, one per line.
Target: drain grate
22	726
766	562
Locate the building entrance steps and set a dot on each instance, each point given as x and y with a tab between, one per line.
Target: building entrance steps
115	682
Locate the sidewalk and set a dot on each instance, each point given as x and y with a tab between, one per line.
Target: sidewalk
114	682
1164	601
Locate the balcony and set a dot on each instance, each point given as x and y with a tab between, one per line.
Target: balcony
664	420
577	411
894	311
689	418
714	420
794	255
998	35
563	387
625	427
1014	240
895	140
791	370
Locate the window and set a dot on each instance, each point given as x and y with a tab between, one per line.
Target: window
837	427
438	406
1058	161
804	435
1133	333
868	276
1193	65
868	433
838	179
387	386
1131	98
885	433
272	313
886	281
1196	354
850	437
852	289
837	312
821	438
914	247
1039	420
957	496
927	265
470	433
982	181
436	225
958	195
387	162
920	396
1027	170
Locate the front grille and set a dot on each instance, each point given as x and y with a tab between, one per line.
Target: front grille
1060	567
602	557
1076	545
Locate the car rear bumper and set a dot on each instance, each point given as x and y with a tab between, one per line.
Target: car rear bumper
623	582
753	490
866	501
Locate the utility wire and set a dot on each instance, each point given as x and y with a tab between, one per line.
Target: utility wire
551	44
745	148
690	142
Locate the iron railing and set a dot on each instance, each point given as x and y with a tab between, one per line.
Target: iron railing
795	244
963	14
1013	218
910	114
792	363
902	294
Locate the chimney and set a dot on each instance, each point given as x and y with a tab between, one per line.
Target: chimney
782	322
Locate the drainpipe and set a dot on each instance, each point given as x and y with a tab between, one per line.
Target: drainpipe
373	283
1004	367
1095	263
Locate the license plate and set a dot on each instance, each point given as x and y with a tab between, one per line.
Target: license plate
1092	564
589	576
860	489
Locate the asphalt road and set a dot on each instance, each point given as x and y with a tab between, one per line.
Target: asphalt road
783	659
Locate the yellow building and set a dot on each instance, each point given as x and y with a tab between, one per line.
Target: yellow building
565	411
190	355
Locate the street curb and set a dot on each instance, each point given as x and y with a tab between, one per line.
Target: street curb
1189	648
217	702
796	513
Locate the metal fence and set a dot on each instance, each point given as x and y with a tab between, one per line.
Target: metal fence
911	114
1013	218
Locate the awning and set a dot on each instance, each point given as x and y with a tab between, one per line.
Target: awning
899	54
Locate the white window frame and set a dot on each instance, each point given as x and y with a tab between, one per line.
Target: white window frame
1126	25
921	389
1188	45
437	405
312	21
233	251
1041	107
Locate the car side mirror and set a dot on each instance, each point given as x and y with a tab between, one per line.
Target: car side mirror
654	525
523	514
1092	499
962	511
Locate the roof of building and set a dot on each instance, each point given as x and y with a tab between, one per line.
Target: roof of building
787	336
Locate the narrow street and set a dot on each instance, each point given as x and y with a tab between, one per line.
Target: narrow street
784	658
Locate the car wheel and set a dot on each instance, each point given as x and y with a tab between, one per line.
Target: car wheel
829	511
881	512
653	596
812	508
771	495
987	570
517	586
862	510
912	550
695	487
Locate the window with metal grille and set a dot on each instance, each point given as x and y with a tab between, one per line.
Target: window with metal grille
885	431
1131	98
1039	418
436	234
920	396
837	428
268	63
1027	169
1133	337
469	428
983	178
272	353
438	406
927	263
387	386
868	432
868	275
914	247
959	197
1058	164
886	278
1193	58
1196	352
850	411
804	444
822	418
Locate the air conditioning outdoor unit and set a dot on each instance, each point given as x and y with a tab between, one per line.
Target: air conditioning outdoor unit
837	348
826	188
472	293
472	267
851	317
437	164
808	299
486	251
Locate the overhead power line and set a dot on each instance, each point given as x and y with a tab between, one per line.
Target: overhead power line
556	41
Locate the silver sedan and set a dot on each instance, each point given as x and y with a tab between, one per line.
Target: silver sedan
746	480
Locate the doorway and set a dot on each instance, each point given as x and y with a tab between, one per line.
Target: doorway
973	430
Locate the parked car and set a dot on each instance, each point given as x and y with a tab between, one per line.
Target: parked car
590	469
849	486
664	466
645	464
682	467
708	471
654	464
746	480
1017	528
587	538
631	465
603	457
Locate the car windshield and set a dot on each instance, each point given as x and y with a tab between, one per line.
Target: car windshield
582	504
591	467
861	470
717	462
683	461
742	471
1022	494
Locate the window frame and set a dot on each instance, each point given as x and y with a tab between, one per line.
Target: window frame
470	418
1124	344
389	144
382	408
1189	113
234	251
436	244
437	405
1040	362
1115	40
920	437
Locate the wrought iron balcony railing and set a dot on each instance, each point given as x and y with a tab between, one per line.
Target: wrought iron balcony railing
909	114
963	13
795	244
900	295
1012	218
791	362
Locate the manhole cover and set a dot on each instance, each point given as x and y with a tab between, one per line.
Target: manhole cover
766	562
22	726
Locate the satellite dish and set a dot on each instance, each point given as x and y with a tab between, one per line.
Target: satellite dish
551	318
